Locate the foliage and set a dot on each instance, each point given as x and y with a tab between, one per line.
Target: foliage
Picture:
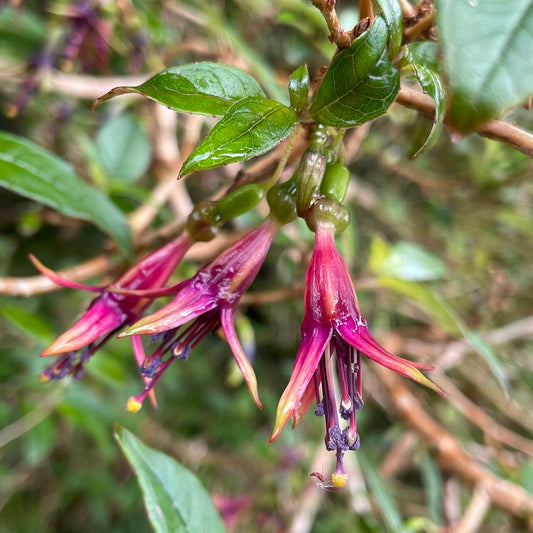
437	248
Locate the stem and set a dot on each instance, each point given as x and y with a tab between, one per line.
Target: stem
337	35
283	160
407	9
420	27
366	10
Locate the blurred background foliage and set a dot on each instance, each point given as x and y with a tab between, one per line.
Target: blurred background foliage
440	250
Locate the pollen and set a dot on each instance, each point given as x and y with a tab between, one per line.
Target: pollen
133	405
339	480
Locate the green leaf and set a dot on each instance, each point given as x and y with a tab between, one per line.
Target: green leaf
30	324
486	56
21	32
35	173
123	148
360	84
206	88
299	88
432	85
389	509
490	356
424	53
409	261
250	127
174	498
428	300
392	13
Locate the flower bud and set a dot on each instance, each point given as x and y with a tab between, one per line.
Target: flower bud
335	181
328	211
308	177
282	201
239	201
202	222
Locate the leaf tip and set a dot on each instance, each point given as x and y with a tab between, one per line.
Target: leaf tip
117	91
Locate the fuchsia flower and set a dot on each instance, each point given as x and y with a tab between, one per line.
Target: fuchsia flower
208	299
110	311
333	325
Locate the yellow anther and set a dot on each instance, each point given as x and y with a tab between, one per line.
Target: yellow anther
133	404
339	480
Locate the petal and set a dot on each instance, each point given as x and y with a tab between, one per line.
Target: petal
188	304
100	319
60	280
307	399
311	350
146	293
363	341
226	317
353	332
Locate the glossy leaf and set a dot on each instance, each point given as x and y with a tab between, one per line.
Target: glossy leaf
205	88
392	13
405	260
417	56
299	88
250	127
175	500
363	100
424	53
360	84
123	148
487	57
35	173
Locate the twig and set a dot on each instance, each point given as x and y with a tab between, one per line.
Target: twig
400	456
475	512
337	35
476	415
421	26
495	129
407	9
366	10
504	494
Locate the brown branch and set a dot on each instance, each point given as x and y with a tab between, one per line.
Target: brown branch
452	457
366	9
407	9
495	129
337	35
420	27
475	512
491	429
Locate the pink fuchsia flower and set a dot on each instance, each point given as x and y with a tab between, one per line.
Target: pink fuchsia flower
208	300
333	326
110	311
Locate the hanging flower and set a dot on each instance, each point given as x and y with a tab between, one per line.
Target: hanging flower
333	329
110	311
208	300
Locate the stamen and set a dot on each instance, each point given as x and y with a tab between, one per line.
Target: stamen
180	351
319	411
339	477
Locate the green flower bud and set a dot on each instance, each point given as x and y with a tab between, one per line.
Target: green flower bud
282	201
239	201
202	222
335	181
328	211
308	178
